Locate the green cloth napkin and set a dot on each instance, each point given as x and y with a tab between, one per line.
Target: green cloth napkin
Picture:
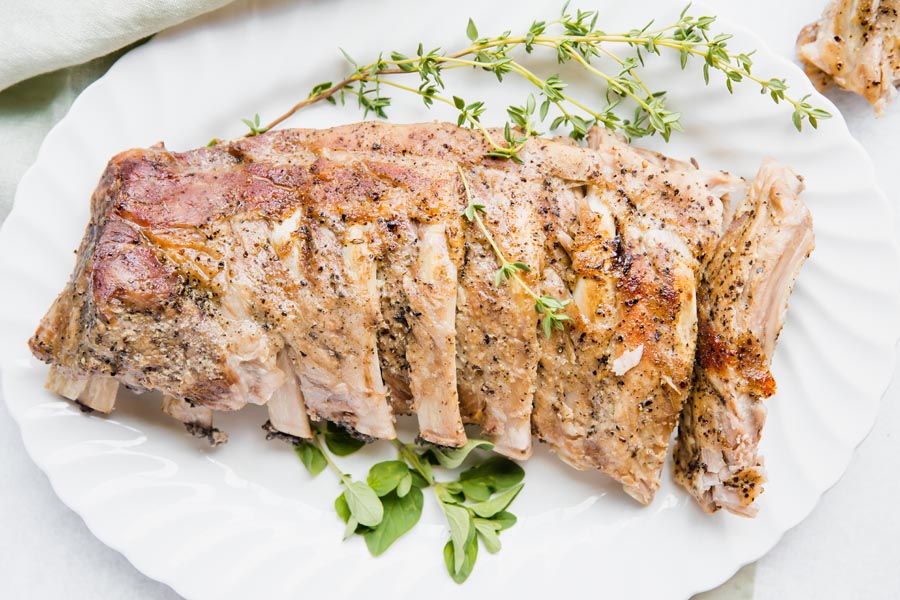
29	109
39	36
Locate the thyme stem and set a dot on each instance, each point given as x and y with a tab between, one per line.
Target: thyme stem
547	306
579	41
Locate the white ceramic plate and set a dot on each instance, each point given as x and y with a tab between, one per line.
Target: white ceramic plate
245	520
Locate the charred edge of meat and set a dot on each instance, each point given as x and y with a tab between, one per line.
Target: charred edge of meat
748	484
352	432
84	407
274	434
420	441
214	436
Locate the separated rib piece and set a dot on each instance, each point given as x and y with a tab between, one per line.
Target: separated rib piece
742	304
431	350
497	325
856	44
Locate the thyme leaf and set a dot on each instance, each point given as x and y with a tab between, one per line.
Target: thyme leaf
255	128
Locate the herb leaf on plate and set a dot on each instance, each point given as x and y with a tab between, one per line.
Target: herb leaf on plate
340	442
466	562
460	522
488	531
451	458
495	474
311	457
401	513
490	507
385	477
364	504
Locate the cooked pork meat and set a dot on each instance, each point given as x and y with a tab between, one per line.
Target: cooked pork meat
331	274
856	44
611	386
742	304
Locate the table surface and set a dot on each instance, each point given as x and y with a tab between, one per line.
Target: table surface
846	549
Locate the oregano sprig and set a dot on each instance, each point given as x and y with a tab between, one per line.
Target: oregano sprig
546	306
390	501
358	501
475	504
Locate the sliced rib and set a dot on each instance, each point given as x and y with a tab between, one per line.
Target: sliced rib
742	304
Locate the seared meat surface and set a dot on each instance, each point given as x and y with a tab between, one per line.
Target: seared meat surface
855	44
611	386
742	305
331	274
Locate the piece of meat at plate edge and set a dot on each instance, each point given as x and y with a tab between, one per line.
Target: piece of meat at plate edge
743	300
855	44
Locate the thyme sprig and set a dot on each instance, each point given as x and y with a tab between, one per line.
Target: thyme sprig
573	38
253	124
546	306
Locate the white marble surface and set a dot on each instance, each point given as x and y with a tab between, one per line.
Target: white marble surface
846	549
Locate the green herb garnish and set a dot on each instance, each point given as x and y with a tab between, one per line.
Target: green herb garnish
572	38
474	504
389	503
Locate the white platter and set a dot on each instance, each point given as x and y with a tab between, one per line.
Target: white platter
246	520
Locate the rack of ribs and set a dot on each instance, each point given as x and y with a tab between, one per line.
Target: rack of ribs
331	275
